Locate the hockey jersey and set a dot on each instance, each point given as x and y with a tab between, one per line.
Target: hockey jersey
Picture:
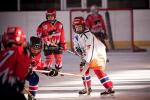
93	48
52	34
14	62
36	62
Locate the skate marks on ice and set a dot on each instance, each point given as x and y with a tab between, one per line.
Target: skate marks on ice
128	84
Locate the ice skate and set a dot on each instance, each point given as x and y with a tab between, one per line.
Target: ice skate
108	92
59	70
84	91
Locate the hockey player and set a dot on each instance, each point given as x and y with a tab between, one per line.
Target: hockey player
52	34
93	55
36	63
14	64
96	25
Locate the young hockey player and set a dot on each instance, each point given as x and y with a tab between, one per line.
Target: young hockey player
52	34
96	25
93	55
36	63
14	64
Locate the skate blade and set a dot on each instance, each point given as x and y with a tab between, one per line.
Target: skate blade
112	95
62	75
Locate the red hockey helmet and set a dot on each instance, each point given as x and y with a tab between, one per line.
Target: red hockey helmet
14	35
78	24
51	13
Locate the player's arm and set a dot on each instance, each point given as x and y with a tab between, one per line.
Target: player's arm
22	64
62	37
39	31
76	45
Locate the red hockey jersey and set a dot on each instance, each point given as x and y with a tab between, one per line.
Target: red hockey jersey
51	33
36	62
14	62
95	23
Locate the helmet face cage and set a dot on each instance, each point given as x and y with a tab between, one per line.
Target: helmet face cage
51	14
35	45
79	25
14	35
79	29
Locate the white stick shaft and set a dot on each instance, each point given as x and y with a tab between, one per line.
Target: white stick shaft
70	74
73	53
62	73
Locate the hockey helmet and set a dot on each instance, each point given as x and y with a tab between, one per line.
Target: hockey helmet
78	25
35	45
51	14
14	35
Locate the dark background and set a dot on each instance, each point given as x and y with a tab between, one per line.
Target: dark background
39	5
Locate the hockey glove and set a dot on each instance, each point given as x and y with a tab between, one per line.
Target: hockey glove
78	51
30	71
52	72
83	62
63	46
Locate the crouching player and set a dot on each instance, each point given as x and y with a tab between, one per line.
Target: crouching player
36	63
93	55
14	64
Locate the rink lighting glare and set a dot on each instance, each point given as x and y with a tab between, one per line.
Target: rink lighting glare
56	95
129	76
74	94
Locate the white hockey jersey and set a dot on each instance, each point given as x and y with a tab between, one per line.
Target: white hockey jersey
93	48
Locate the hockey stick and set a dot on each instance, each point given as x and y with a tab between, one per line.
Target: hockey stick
61	73
85	68
26	90
83	72
73	53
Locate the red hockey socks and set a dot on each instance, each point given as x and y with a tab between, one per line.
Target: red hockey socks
33	89
49	60
104	79
86	79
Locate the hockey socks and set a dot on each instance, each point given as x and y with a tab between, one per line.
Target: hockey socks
87	81
33	90
104	79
